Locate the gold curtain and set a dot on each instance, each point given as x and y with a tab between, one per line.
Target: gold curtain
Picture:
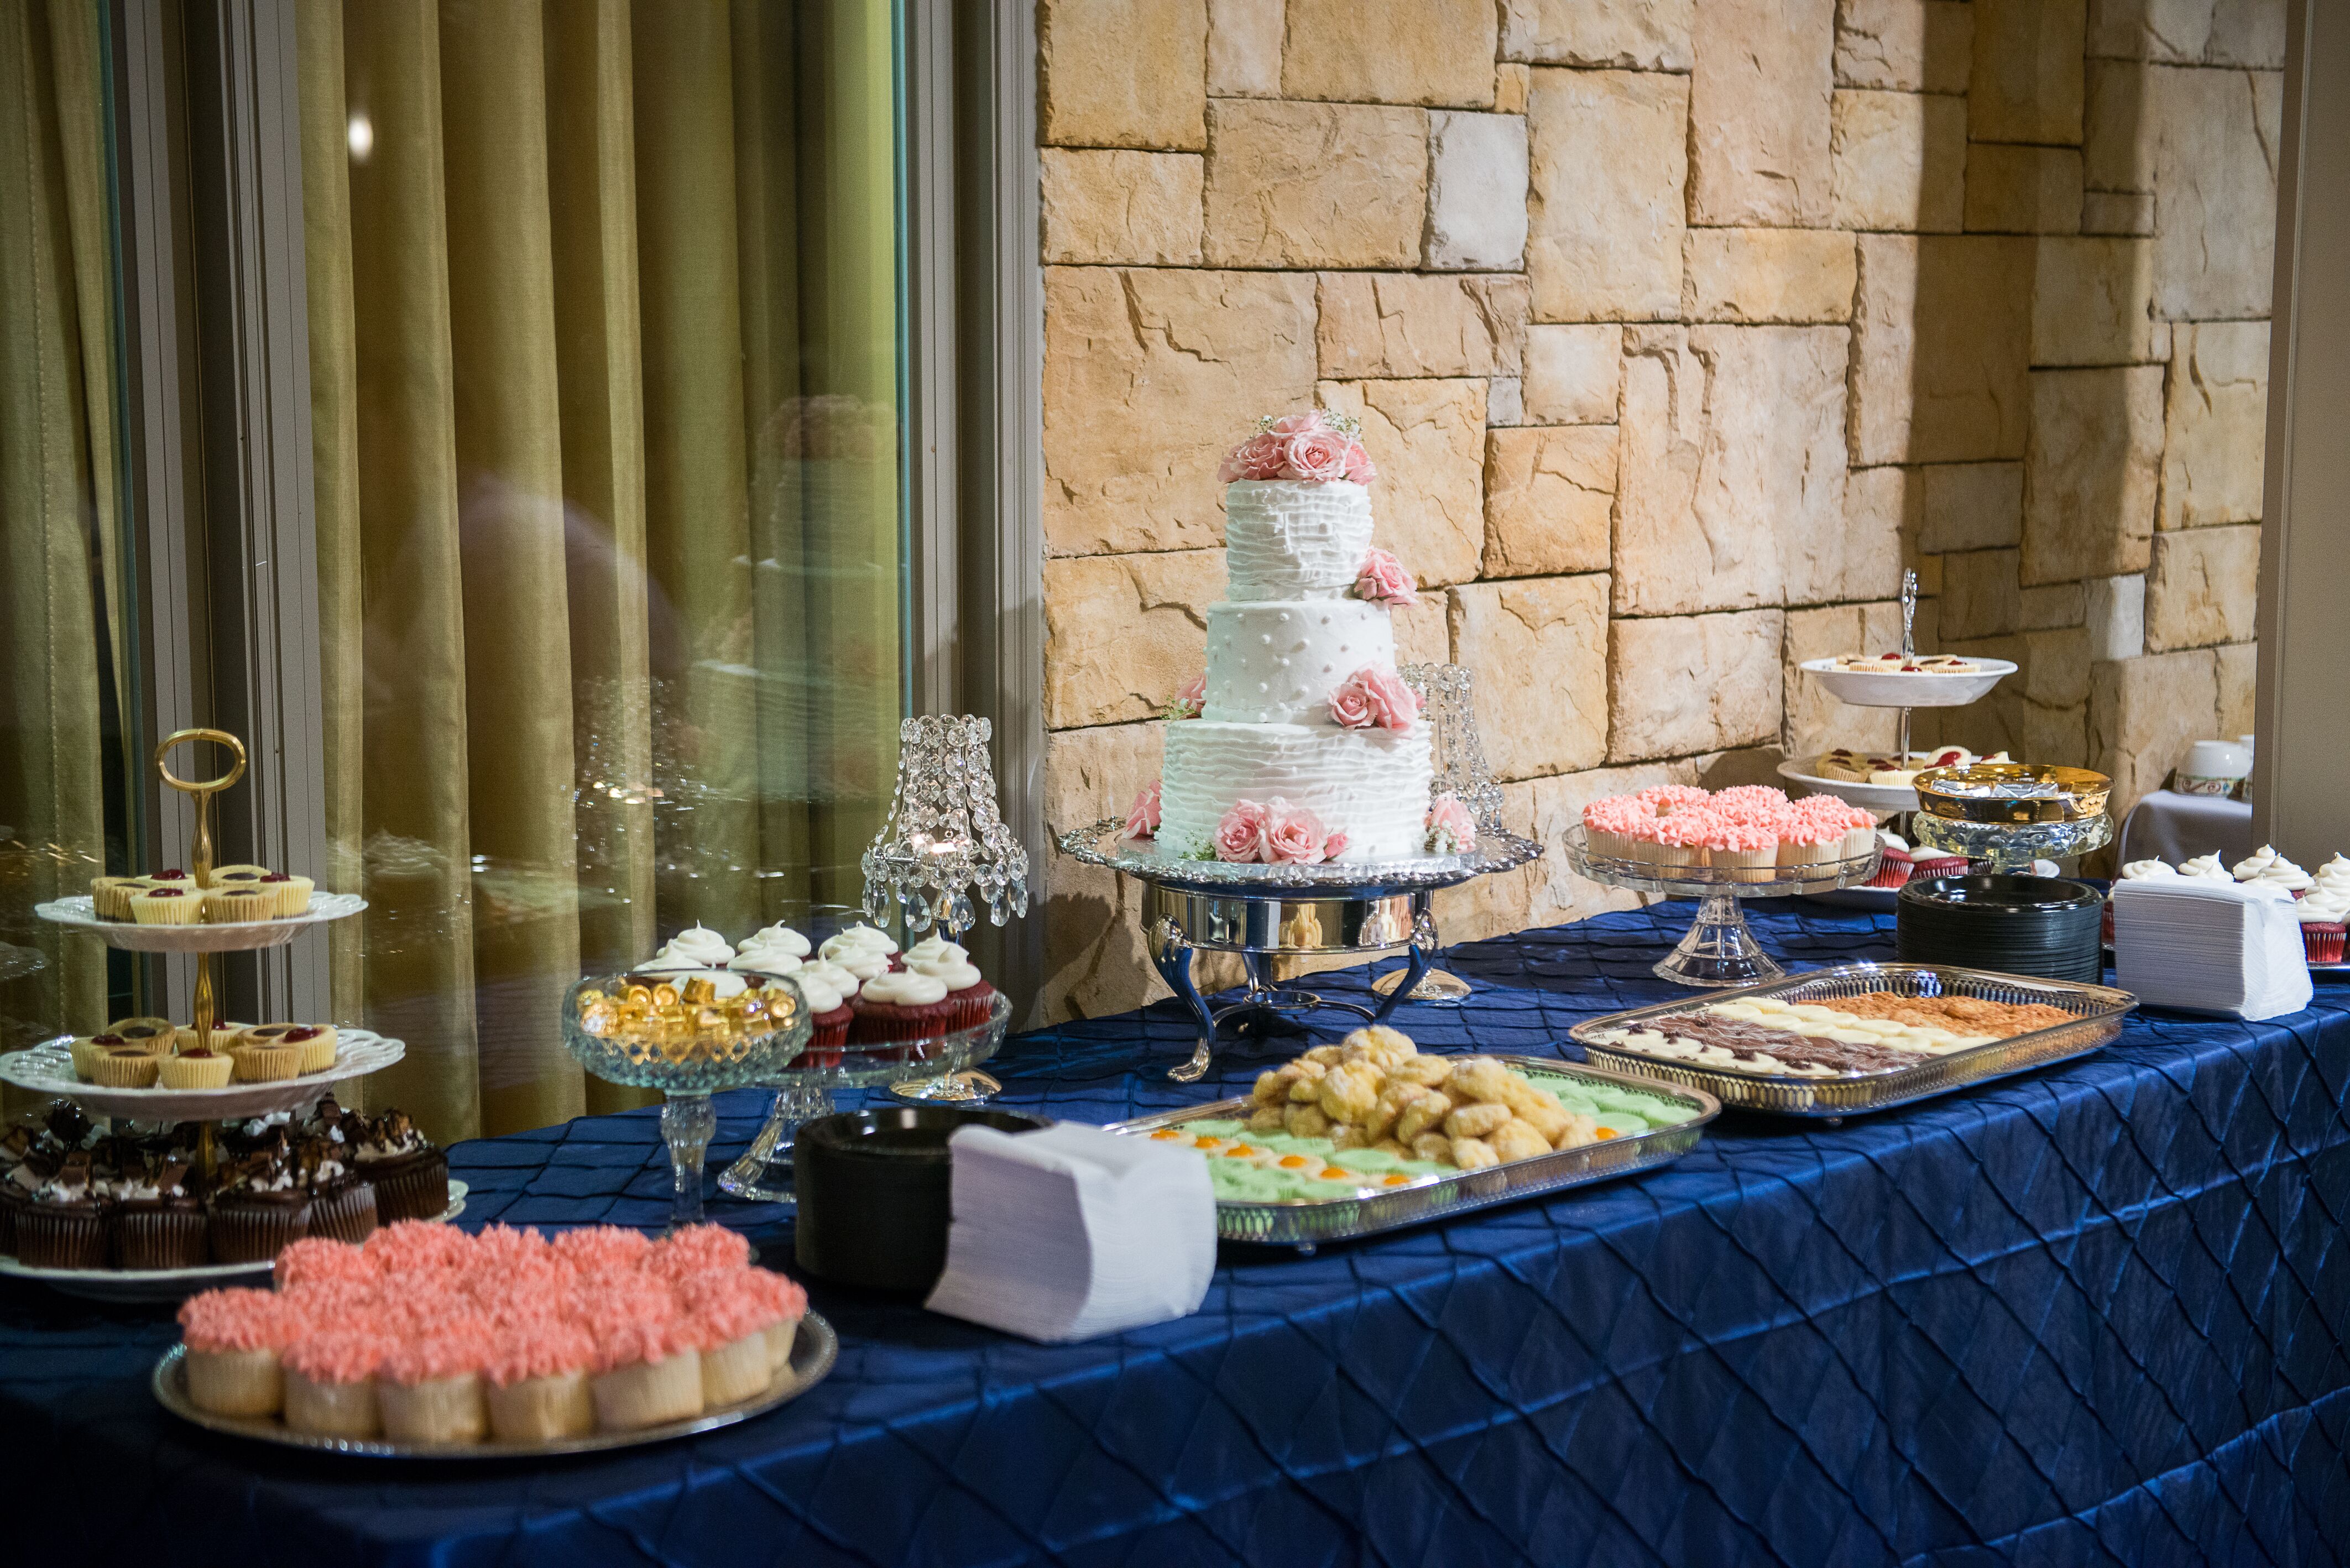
59	522
593	674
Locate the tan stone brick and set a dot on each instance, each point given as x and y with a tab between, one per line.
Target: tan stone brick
2118	135
1511	83
2215	150
1767	275
1572	374
2189	32
2022	189
1863	563
1817	721
1538	649
2091	476
1403	323
1548	496
1245	48
2248	33
2215	426
2093	301
2202	588
1693	683
1422	635
1391	51
1904	45
1429	441
1732	461
2118	211
1122	632
1478	174
1632	35
1972	506
2027	82
1758	128
1899	161
1981	596
1605	220
1123	72
1888	504
2239	667
2143	713
1315	184
1179	363
1095	961
1940	338
1135	207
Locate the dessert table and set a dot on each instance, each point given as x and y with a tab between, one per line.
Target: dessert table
2100	1313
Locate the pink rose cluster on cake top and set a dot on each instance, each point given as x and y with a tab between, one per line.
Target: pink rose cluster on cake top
425	1335
1750	830
1301	706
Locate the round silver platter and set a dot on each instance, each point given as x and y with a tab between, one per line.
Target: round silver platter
1264	912
813	1350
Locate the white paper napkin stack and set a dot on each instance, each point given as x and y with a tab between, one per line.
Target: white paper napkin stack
1072	1232
2210	945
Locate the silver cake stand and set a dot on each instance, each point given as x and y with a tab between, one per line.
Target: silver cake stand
1263	911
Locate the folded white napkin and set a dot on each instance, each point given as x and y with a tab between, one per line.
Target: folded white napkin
1072	1232
2210	946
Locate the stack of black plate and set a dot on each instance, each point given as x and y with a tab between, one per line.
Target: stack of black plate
2042	926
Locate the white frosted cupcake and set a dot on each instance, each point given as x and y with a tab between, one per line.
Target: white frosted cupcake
780	935
858	938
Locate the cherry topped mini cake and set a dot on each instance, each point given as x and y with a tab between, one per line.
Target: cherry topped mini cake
177	904
239	901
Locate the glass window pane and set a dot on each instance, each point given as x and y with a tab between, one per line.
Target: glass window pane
603	333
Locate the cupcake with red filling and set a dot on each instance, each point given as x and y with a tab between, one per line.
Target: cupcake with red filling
970	995
1895	864
1939	865
2323	913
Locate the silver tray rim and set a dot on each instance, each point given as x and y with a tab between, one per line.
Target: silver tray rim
1883	1089
815	1336
1311	1222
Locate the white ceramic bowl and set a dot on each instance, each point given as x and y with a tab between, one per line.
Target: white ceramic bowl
1873	689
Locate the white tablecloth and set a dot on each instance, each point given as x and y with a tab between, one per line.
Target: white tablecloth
2168	826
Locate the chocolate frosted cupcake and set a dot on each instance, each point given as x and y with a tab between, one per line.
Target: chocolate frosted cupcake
410	1175
64	1224
342	1202
260	1205
159	1221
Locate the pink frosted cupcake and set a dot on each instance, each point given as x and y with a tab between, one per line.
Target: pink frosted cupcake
1751	800
316	1257
1663	800
648	1371
407	1244
1616	827
330	1381
782	1305
698	1250
236	1339
1809	840
497	1246
728	1329
535	1379
1747	850
429	1386
602	1249
1681	839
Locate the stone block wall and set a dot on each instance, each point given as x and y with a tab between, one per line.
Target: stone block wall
1677	329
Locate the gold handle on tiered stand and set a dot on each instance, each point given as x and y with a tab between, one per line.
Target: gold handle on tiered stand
203	861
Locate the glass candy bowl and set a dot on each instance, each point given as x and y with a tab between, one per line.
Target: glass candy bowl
687	1037
805	1084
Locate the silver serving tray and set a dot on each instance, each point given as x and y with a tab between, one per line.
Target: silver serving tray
2097	1011
1103	843
813	1350
1307	1224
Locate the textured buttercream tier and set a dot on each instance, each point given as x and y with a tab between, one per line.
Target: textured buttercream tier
1277	661
1285	539
1372	784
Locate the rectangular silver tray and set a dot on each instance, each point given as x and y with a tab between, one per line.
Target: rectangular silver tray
2097	1011
1306	1224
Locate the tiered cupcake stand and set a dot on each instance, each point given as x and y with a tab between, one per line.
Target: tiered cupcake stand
48	1069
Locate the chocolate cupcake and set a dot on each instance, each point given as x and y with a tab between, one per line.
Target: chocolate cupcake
65	1224
260	1205
410	1175
159	1221
342	1202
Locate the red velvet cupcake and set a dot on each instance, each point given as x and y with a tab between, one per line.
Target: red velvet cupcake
828	989
1893	867
970	996
1939	866
2324	939
903	1004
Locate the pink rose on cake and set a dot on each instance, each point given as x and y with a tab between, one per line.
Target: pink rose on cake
1359	469
1381	579
1372	696
1294	836
1143	822
1190	698
1315	456
1262	456
1239	837
1450	829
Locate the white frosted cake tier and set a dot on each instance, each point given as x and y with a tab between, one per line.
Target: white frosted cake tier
1276	661
1372	784
1285	539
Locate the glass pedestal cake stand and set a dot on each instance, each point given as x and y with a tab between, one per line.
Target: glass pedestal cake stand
688	1060
1260	911
1721	949
804	1085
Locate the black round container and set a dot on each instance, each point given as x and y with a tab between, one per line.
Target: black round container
2042	926
872	1188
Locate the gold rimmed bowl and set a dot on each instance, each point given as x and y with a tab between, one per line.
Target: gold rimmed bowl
2012	793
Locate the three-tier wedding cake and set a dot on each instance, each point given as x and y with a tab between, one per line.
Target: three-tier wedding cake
1300	743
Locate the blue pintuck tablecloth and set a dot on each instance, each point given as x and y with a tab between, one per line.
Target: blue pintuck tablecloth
2092	1314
